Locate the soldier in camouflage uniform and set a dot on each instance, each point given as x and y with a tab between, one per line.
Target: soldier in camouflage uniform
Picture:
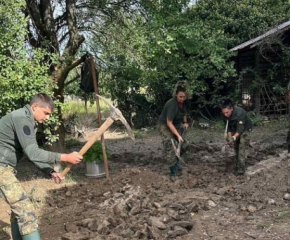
238	132
171	124
17	137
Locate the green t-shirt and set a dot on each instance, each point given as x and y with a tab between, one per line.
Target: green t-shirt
173	112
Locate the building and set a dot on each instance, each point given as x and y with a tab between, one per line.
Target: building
263	67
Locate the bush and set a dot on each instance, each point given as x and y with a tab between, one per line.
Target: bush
95	153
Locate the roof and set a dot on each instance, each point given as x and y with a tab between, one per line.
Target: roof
280	28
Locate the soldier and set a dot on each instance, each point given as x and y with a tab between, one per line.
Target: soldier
17	136
239	126
171	124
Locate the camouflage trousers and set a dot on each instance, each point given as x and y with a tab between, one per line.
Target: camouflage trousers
22	209
168	151
240	147
288	139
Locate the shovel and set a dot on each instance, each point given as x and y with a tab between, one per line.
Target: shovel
178	148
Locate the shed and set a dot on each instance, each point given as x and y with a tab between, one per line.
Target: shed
263	67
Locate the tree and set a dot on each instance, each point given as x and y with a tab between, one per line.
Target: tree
60	27
21	75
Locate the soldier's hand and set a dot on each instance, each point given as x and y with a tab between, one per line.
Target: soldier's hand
73	158
231	139
57	178
185	125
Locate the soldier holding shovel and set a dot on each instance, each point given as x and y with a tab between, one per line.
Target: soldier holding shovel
17	136
172	123
238	128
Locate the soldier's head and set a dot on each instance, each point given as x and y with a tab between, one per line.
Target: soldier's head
227	108
41	106
180	92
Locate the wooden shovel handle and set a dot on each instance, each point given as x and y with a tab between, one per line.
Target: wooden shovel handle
89	143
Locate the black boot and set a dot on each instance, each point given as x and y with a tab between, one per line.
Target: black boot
173	170
178	165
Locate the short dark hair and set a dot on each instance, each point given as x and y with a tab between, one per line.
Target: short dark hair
43	100
227	104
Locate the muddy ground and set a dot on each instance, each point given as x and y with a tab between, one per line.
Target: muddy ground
140	201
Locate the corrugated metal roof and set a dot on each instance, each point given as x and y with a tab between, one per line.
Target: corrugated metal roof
280	28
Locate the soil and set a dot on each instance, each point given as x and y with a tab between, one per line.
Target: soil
140	201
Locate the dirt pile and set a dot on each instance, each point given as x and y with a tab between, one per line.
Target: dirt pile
208	201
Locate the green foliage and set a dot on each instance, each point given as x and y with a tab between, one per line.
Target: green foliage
242	20
72	143
219	125
256	120
95	153
23	70
166	41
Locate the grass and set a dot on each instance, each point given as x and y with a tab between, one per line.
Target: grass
75	114
78	107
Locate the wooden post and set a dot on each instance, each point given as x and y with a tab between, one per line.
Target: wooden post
96	90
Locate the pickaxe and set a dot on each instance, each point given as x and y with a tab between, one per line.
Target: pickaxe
115	114
177	150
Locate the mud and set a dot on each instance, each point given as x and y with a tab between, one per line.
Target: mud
140	201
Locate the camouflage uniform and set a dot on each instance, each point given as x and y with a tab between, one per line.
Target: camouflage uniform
239	122
168	151
17	136
171	111
288	139
22	209
240	146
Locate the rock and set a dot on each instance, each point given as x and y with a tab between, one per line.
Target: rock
156	205
107	194
173	214
118	195
177	231
193	207
176	206
271	202
165	219
211	203
156	222
184	224
126	233
243	208
93	225
74	236
192	184
68	193
251	209
119	210
286	196
139	235
85	222
71	227
145	203
135	210
88	205
221	191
